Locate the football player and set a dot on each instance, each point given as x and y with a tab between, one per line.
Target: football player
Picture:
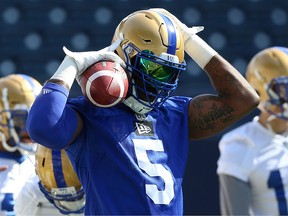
17	93
253	163
54	189
130	158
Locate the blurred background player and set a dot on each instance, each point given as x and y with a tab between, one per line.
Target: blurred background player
253	163
131	158
17	93
54	189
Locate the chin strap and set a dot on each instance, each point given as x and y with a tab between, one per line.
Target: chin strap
136	106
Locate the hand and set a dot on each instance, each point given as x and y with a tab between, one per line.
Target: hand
185	31
75	63
85	59
194	46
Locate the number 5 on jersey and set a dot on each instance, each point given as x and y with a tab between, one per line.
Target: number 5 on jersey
154	170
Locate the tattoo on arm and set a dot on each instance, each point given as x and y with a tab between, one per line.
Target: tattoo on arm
215	114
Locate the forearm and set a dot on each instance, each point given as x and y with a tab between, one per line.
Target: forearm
230	85
226	80
234	99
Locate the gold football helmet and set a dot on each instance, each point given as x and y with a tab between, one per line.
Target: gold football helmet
153	50
17	94
267	72
58	180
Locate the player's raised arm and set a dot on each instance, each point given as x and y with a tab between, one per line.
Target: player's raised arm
234	98
62	123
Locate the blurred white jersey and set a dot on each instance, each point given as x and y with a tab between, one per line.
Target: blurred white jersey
31	201
11	180
259	157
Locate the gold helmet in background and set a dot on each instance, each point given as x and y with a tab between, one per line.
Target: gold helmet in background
17	94
58	180
153	50
267	72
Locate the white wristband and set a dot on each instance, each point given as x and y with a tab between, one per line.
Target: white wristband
66	71
199	50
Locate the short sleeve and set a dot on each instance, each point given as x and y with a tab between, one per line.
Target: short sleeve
236	158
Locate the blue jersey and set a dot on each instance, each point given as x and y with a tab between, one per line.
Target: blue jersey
130	163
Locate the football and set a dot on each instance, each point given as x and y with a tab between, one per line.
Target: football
104	83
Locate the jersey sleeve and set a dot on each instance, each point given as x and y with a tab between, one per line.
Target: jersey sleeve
234	196
50	121
236	156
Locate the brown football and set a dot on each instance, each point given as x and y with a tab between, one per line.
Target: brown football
104	83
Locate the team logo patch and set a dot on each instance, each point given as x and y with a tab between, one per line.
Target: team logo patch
144	128
46	91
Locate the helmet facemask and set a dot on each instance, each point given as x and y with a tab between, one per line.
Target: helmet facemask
17	95
153	78
67	200
277	105
15	125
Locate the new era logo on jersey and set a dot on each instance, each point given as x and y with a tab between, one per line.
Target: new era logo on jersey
144	128
46	91
140	117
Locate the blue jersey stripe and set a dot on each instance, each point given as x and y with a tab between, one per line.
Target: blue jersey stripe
172	39
58	169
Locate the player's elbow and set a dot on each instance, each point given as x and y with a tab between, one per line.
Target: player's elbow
42	132
251	100
52	129
243	100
